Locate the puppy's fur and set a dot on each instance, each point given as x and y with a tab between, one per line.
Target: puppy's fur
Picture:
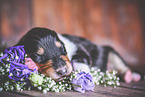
57	55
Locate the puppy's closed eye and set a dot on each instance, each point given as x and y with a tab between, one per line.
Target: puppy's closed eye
44	67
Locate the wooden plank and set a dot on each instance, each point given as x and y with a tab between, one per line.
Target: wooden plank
13	94
99	91
135	85
119	92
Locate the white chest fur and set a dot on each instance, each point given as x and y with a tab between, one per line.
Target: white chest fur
71	48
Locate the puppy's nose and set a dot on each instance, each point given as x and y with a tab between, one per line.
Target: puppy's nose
62	71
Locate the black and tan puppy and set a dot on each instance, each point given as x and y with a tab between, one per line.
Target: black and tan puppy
57	55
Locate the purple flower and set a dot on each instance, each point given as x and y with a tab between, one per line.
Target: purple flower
83	81
15	56
19	72
16	53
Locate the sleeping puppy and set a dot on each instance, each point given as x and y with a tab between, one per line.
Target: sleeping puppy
57	55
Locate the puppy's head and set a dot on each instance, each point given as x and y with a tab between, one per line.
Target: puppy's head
48	52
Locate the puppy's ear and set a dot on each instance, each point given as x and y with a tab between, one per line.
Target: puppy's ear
40	51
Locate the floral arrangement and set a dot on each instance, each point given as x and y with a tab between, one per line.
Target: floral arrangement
18	72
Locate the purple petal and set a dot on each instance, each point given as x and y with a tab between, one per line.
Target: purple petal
78	88
19	64
4	56
84	80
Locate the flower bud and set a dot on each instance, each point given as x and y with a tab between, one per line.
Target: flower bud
35	79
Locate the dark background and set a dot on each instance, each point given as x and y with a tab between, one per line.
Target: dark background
118	23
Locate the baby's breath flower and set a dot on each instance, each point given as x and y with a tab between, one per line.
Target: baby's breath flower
21	89
44	91
60	83
48	89
11	88
104	85
1	54
1	89
97	83
44	83
29	88
40	88
117	83
102	81
36	79
98	70
109	83
114	86
106	78
7	59
118	78
17	57
55	90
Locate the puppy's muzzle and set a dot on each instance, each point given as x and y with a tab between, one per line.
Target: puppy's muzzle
62	71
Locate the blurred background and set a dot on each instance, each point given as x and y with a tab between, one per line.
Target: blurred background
118	23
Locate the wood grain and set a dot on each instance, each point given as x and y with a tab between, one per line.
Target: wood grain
114	23
15	19
125	90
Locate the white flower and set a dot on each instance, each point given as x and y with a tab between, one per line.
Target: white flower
10	74
109	83
36	79
92	69
29	88
118	84
44	91
48	89
105	85
1	89
110	77
98	70
101	81
12	88
21	89
17	57
57	90
114	86
7	59
118	78
100	76
1	54
114	72
35	85
40	88
97	83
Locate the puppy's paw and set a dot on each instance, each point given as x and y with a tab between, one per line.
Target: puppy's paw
136	77
128	77
131	76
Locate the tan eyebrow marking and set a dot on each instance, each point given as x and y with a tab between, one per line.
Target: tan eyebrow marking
57	43
40	51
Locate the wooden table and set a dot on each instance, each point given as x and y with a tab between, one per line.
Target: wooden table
125	90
